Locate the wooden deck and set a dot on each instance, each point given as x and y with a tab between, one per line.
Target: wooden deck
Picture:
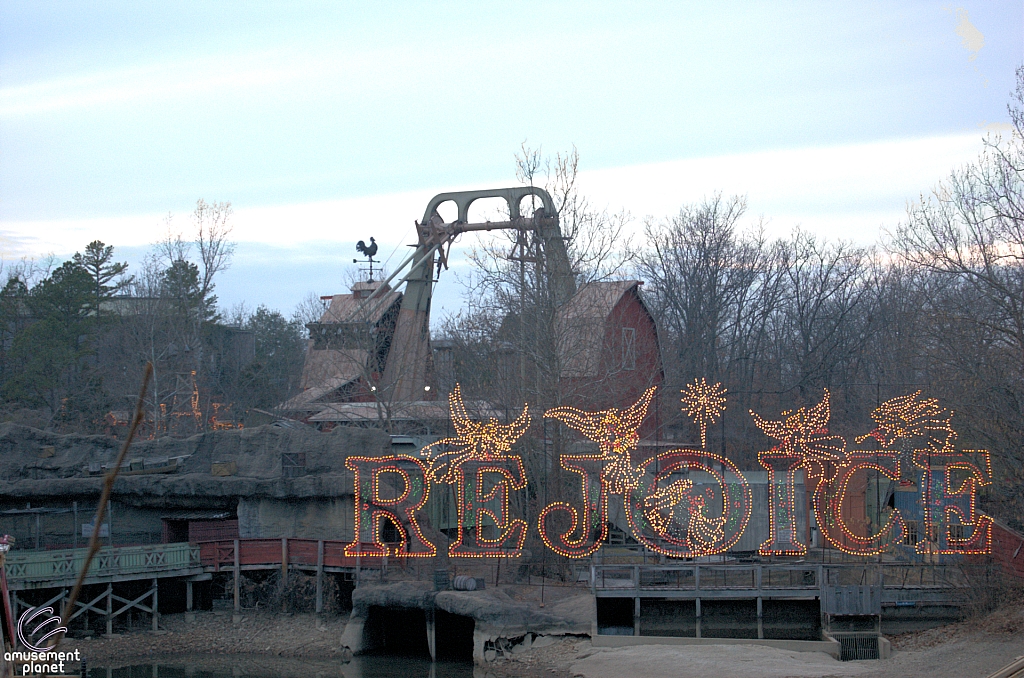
892	585
56	569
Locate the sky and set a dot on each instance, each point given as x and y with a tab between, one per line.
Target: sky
324	123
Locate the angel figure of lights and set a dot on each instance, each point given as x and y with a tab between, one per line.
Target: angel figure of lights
805	432
616	433
704	532
915	421
667	498
490	441
703	403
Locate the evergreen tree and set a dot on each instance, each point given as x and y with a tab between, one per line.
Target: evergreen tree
46	363
181	285
98	263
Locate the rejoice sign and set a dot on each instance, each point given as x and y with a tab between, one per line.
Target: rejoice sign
666	510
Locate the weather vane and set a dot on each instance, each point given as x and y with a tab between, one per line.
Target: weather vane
368	251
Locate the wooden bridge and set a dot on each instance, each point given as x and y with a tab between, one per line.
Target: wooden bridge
58	569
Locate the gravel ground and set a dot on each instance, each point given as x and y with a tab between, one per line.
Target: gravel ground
294	636
972	649
290	642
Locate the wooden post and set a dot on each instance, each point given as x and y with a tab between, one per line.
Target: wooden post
188	601
696	586
110	609
237	573
156	604
320	576
358	551
431	636
636	616
284	572
758	576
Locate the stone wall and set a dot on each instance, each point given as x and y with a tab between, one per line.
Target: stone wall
42	467
260	518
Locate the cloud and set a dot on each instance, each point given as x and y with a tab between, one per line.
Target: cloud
970	37
996	127
840	191
846	191
173	79
851	191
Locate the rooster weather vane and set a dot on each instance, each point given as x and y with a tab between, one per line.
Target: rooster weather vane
369	251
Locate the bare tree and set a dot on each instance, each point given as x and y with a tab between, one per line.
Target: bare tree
968	236
309	310
165	320
713	287
517	289
823	327
211	223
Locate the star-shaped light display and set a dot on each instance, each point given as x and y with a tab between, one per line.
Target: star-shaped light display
704	404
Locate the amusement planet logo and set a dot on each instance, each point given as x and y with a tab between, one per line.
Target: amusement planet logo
39	659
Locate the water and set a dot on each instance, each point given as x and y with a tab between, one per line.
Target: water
258	666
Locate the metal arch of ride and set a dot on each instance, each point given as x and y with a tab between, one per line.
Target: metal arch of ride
407	370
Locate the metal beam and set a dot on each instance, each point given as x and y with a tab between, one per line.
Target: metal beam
319	576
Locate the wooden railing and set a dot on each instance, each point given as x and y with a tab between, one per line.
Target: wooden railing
896	583
269	552
55	567
702	579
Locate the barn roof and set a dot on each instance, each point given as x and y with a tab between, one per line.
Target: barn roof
327	370
308	400
597	299
350	307
582	325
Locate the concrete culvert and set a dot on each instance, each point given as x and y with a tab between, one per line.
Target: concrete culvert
454	636
615	616
791	619
666	617
396	631
464	583
728	618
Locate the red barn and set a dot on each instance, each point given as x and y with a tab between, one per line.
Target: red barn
1008	549
608	347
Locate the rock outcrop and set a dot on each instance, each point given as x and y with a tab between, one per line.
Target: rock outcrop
499	620
38	464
